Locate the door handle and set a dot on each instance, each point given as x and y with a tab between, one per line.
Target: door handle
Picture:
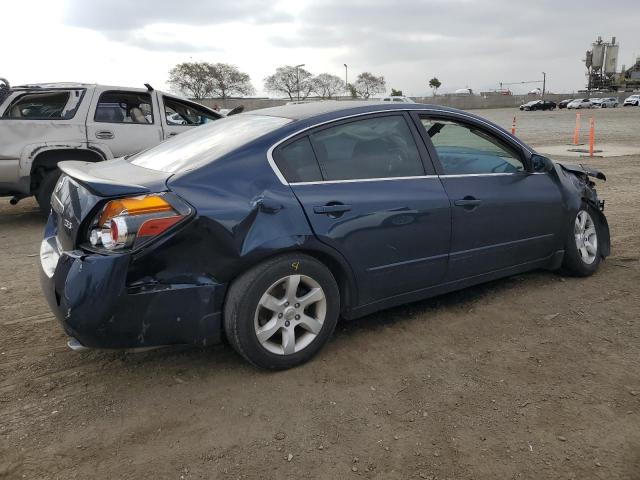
467	202
104	134
332	209
173	134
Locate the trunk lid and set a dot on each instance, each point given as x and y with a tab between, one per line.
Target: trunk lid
83	185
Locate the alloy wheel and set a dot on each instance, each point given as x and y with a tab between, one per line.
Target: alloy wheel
290	314
586	237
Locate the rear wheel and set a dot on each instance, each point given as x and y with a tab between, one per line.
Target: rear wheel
582	250
280	313
45	190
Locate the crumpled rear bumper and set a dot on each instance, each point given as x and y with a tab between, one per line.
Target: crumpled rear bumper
89	295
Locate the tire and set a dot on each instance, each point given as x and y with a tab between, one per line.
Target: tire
245	313
45	190
580	260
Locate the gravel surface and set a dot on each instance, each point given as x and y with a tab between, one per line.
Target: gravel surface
534	376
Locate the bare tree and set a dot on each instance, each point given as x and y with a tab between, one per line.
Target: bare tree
201	80
367	84
326	85
290	81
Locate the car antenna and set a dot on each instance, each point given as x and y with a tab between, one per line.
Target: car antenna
149	87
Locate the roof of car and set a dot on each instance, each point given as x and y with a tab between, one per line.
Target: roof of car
314	109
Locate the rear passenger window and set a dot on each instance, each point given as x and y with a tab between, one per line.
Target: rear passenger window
464	150
380	147
124	107
297	162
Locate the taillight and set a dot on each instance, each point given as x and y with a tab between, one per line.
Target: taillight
128	223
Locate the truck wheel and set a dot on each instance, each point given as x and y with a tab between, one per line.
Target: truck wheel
45	190
280	313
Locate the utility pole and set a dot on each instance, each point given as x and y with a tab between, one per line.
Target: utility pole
346	83
544	83
298	79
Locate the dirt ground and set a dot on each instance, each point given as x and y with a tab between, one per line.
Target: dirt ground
532	377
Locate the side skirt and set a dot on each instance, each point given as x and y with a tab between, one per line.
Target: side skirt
552	262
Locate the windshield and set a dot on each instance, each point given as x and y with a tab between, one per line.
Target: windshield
205	144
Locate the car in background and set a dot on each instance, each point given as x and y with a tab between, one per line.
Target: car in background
398	99
563	103
606	102
263	228
580	103
538	105
632	100
44	124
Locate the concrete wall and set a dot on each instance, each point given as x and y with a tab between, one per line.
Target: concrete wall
462	102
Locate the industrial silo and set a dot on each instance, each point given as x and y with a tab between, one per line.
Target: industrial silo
611	60
597	56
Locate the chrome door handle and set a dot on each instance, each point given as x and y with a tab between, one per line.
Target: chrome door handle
104	134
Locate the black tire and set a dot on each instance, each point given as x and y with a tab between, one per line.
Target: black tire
243	299
45	190
573	262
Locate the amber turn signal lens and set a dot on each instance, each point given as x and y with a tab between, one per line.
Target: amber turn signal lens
134	206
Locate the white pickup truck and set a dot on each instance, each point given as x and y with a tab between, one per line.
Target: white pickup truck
43	124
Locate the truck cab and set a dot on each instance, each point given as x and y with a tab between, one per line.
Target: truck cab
43	124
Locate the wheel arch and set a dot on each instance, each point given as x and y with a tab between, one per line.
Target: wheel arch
47	160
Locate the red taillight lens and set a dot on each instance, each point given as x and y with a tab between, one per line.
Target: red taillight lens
131	222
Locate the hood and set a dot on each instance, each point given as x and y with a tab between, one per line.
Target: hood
583	170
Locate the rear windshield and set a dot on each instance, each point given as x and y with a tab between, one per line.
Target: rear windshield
207	143
60	105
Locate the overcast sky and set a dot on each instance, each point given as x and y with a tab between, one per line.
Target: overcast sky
465	43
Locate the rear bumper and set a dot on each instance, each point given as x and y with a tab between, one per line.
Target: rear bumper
89	295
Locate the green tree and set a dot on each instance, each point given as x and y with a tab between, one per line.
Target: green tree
435	84
396	93
202	79
352	90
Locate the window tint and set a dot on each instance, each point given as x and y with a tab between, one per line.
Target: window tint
181	113
464	150
298	163
124	107
374	148
61	105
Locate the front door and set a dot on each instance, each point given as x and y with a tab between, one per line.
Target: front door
503	215
366	193
179	116
125	122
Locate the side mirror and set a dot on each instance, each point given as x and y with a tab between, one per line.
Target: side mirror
540	164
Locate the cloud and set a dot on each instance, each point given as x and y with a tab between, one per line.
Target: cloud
126	21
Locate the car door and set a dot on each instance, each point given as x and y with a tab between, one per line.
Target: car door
179	115
503	215
124	122
368	193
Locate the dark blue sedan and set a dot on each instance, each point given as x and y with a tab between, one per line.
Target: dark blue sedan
267	226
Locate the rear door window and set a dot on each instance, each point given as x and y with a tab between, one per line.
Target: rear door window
464	150
124	107
54	105
298	163
379	147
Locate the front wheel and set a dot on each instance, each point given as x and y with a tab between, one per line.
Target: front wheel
582	251
282	312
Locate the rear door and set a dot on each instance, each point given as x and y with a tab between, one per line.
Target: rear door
368	193
179	115
125	122
503	215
